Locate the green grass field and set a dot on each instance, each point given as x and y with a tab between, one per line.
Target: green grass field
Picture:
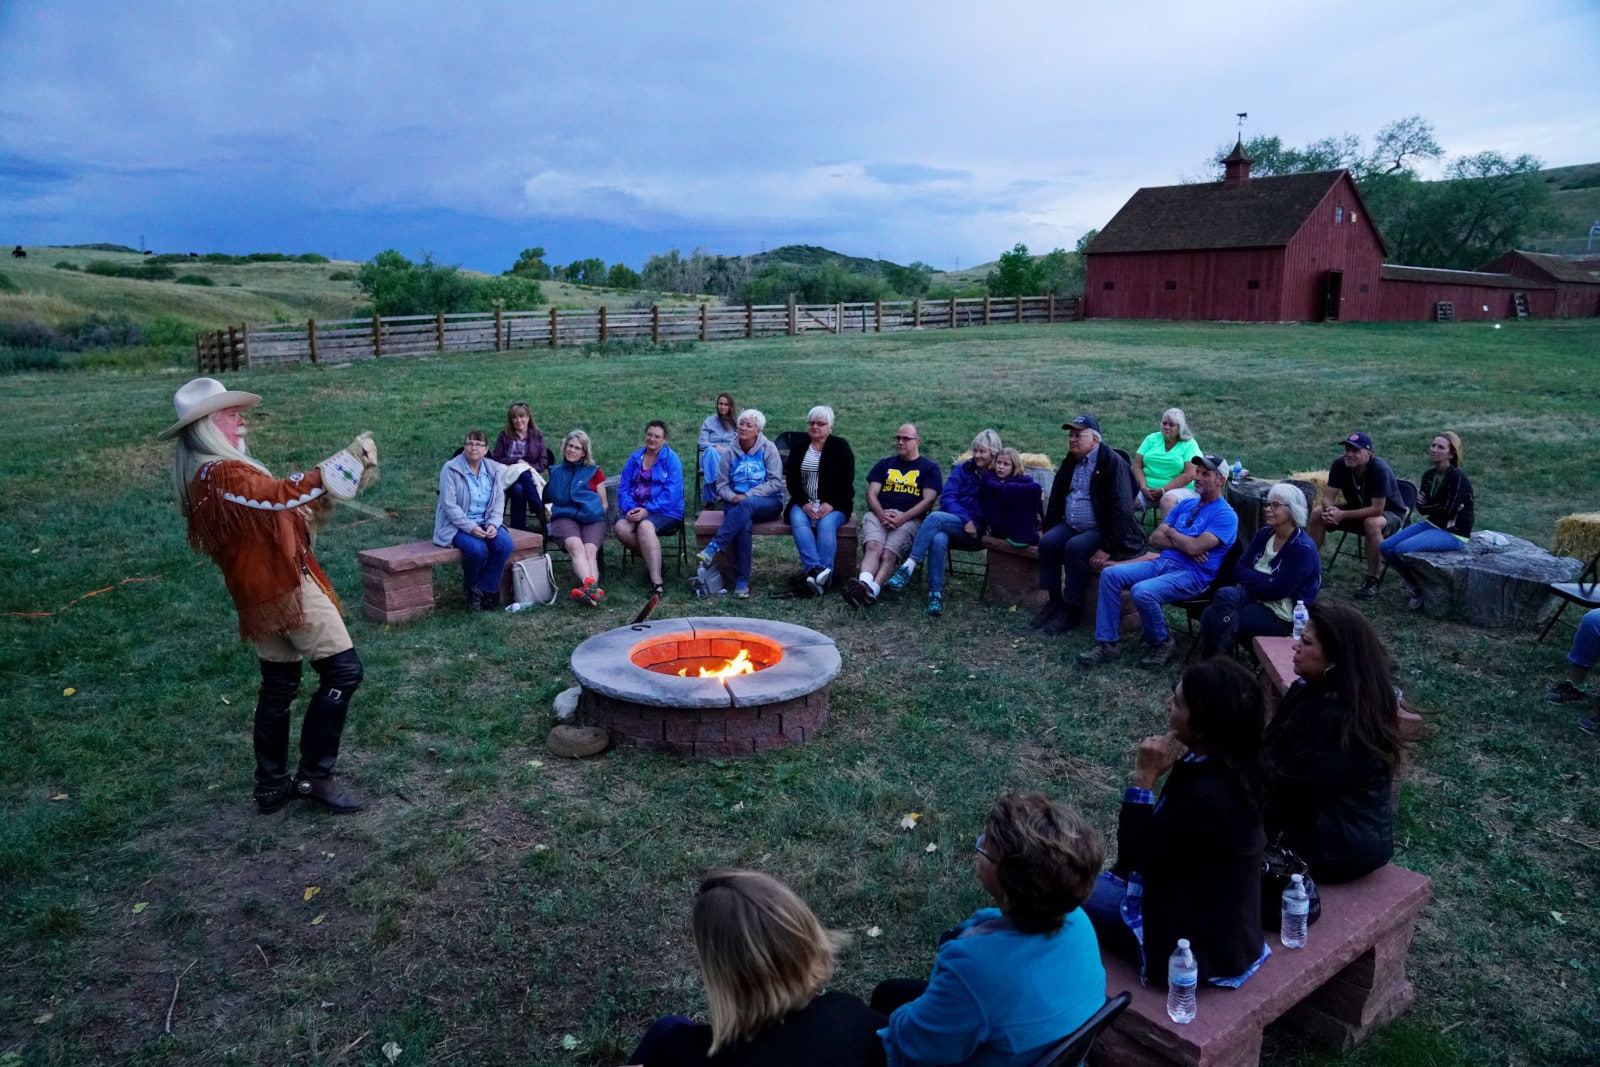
494	900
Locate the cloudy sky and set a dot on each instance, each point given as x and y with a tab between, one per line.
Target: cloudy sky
936	131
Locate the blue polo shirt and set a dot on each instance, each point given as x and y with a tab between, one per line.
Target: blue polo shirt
1192	518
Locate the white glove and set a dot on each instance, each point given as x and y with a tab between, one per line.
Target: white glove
341	473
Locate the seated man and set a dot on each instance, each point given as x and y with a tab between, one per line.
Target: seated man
1363	498
1585	651
1193	542
900	489
1090	511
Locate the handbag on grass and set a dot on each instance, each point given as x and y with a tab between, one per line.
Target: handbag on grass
1277	865
533	580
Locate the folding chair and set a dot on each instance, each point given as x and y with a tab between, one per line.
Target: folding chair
683	536
1408	497
1196	606
1073	1050
1585	592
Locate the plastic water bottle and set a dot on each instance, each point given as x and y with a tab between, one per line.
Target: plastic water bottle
1296	910
1237	474
1183	975
1301	617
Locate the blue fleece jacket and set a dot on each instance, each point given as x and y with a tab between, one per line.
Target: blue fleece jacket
960	494
666	484
1296	572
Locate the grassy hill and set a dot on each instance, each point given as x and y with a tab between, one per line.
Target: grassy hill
1576	199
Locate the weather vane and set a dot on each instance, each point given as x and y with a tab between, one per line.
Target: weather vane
1242	116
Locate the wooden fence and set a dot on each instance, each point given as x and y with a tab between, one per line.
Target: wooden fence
345	340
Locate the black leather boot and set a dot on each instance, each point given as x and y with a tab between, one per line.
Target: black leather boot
280	684
323	727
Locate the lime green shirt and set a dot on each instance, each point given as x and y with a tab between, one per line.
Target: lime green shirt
1162	464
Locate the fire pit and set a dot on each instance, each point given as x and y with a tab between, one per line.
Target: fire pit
711	688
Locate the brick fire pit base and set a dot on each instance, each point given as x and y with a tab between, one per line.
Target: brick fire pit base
783	703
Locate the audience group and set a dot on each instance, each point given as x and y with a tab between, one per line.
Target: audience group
1205	798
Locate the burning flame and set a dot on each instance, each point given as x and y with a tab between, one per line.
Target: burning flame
739	664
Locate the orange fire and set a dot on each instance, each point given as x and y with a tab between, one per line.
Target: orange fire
740	664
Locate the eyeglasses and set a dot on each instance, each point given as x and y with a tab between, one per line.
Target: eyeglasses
817	422
475	444
977	846
903	437
1272	504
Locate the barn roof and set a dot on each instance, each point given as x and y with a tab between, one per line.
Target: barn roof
1560	268
1257	213
1440	276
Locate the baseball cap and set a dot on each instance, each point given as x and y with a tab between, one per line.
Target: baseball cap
1083	422
1357	440
1212	462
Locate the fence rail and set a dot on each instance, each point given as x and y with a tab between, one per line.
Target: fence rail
347	340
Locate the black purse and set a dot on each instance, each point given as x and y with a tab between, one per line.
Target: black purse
1278	864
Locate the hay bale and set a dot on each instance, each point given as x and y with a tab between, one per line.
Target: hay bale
1578	536
1029	460
1318	480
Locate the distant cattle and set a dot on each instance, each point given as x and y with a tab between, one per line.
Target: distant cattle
148	252
194	255
19	253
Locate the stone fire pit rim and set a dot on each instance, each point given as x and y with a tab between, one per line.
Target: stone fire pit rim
810	661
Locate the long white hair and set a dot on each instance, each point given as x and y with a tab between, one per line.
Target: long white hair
200	443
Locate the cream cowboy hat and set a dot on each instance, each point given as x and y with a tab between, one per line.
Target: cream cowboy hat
202	397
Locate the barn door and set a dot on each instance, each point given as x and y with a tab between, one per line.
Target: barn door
1332	293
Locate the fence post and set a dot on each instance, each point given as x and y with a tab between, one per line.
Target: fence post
703	307
244	341
438	329
749	319
553	327
792	322
838	318
987	303
1050	305
655	324
377	337
602	324
877	311
1019	311
311	336
498	319
916	313
952	312
233	348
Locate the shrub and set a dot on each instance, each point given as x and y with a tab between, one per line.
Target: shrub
104	267
267	257
62	264
194	279
519	294
311	257
222	257
341	276
28	332
146	271
8	286
103	331
19	360
170	330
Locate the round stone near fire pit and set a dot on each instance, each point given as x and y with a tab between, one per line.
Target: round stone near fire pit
643	683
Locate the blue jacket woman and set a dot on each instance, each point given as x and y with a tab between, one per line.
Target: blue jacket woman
665	496
1279	566
571	494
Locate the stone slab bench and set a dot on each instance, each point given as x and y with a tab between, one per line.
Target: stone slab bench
1491	588
708	523
397	582
1276	656
1349	980
1013	578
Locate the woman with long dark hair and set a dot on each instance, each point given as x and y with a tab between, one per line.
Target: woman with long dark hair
1189	862
1333	748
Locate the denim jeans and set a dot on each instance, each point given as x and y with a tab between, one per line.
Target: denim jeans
735	533
1586	642
483	562
815	539
1421	536
938	533
1151	584
522	495
1233	618
1064	562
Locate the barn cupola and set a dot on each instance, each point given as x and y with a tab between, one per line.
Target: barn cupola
1236	165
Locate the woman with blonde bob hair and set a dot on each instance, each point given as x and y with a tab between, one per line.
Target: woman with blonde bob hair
764	958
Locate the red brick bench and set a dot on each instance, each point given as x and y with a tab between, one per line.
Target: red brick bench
1349	980
708	523
397	582
1276	656
1012	577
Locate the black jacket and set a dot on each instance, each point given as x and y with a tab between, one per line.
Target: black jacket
835	1028
1331	805
836	475
1110	493
1198	851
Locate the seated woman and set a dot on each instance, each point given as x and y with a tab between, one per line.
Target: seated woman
717	435
650	494
1014	979
1189	864
1333	748
1444	500
1164	465
1279	566
576	495
467	519
821	479
521	442
750	486
957	522
1011	500
764	959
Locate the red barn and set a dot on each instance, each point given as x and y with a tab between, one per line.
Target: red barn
1291	248
1576	281
1412	293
